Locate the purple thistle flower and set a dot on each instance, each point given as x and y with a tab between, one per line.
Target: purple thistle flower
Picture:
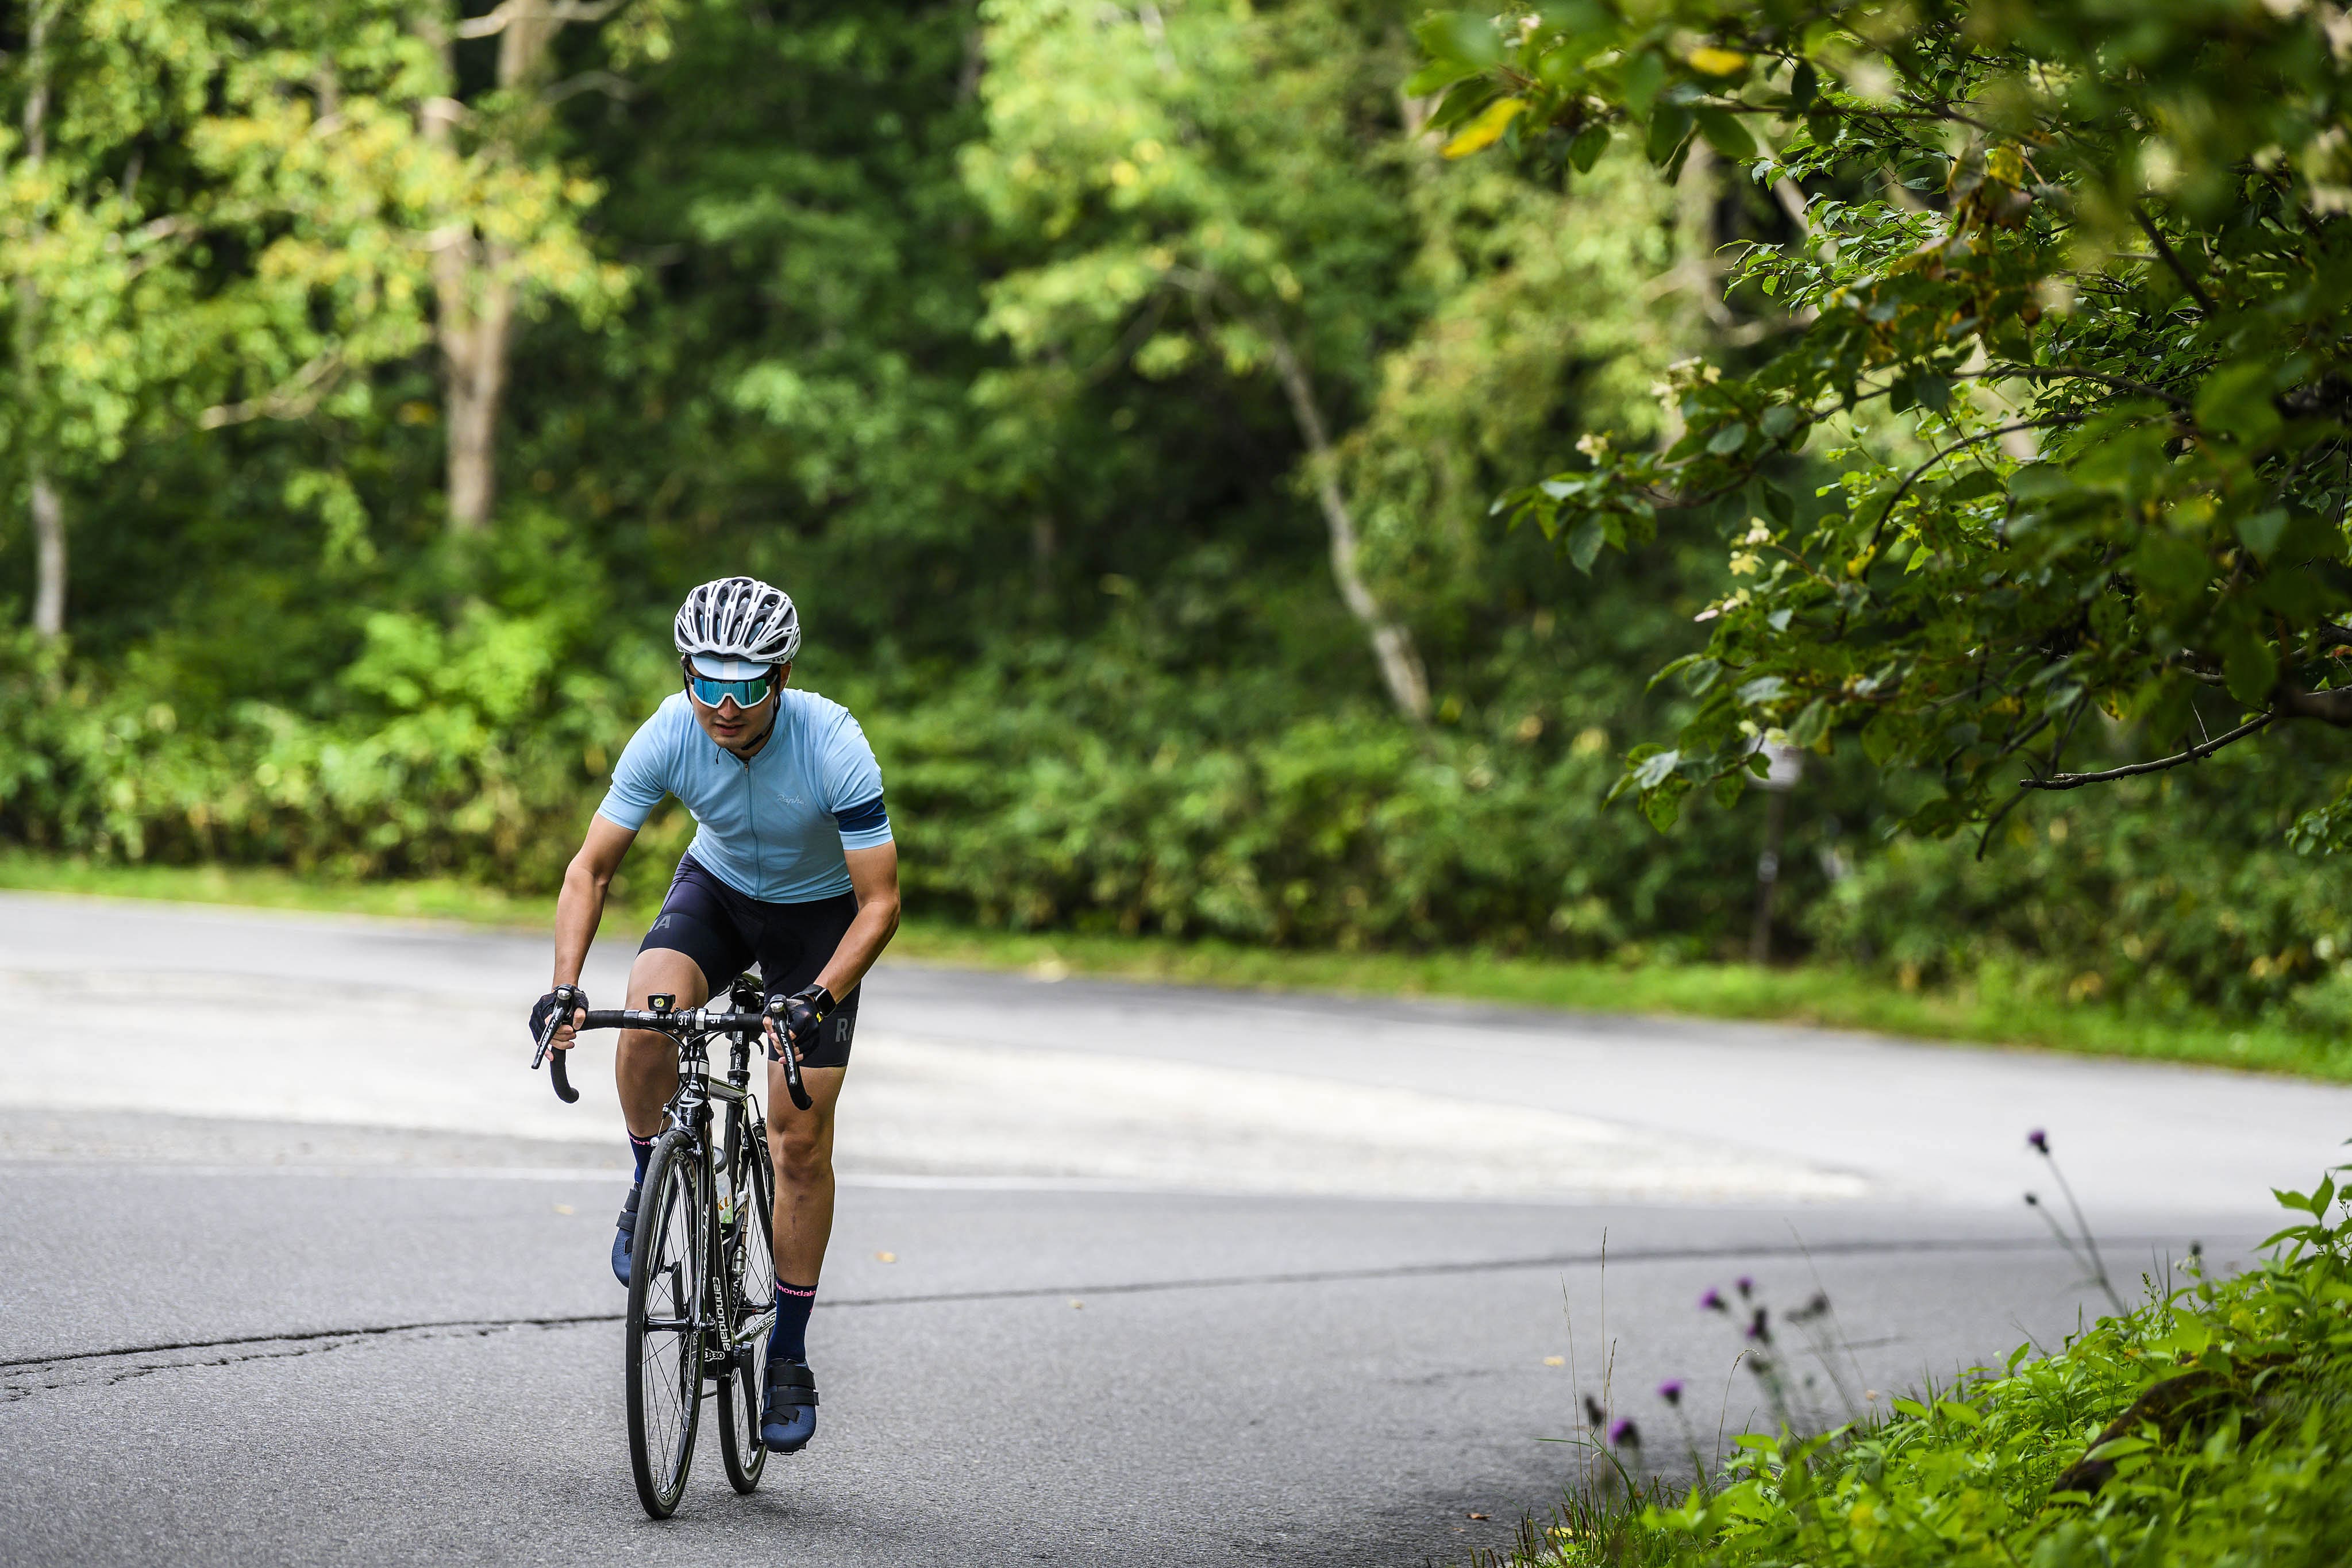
2040	1141
1671	1391
1625	1434
1758	1330
1713	1301
1747	1286
1593	1414
2032	1201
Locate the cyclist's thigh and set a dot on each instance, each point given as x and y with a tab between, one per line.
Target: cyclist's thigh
698	923
796	942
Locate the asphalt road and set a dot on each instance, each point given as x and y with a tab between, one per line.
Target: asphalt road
298	1264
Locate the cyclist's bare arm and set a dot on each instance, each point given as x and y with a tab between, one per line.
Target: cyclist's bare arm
873	880
581	905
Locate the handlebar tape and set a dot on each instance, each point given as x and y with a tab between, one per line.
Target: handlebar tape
563	1081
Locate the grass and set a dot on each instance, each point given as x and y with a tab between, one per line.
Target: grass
1991	1011
2213	1425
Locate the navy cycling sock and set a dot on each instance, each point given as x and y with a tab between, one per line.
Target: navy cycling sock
787	1341
643	1148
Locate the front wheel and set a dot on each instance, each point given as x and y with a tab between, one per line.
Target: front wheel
668	1299
747	1284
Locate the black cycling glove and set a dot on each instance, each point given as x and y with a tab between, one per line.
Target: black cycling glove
800	1016
563	998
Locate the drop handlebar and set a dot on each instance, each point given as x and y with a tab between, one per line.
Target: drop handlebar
677	1025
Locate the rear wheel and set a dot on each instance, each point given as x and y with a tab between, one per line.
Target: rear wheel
668	1315
748	1276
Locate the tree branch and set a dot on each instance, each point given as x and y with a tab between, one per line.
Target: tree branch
2194	754
293	398
556	11
1914	476
2333	706
2069	373
2172	259
606	82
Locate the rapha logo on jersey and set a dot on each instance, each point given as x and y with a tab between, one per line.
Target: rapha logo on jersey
660	924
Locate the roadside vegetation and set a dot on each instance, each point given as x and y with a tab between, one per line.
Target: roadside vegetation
2211	1425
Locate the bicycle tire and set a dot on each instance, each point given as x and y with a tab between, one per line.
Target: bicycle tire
669	1297
747	1277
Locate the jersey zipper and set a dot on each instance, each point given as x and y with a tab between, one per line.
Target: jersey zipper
751	821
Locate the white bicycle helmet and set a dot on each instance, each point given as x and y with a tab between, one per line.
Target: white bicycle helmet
738	620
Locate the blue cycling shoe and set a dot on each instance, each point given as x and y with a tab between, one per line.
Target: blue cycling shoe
788	1420
624	1236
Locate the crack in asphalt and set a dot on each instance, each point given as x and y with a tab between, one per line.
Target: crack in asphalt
23	1371
80	1369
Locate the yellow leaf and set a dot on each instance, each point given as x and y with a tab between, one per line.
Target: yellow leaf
885	1256
2005	164
1709	60
1484	131
1554	1361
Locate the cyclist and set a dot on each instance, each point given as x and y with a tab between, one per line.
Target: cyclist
793	865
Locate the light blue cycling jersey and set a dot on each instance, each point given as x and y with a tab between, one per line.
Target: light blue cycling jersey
773	828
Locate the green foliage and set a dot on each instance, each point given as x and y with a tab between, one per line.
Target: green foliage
2108	898
2110	475
2207	1426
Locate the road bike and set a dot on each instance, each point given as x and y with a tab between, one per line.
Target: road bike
702	1272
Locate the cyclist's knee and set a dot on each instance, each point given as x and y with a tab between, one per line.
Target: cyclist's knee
803	1155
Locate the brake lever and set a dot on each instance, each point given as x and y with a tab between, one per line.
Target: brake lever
555	1071
788	1056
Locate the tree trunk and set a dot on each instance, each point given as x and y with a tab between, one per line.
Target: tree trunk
476	313
49	512
49	542
1399	660
474	289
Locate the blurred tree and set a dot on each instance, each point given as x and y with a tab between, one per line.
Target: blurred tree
1205	186
506	213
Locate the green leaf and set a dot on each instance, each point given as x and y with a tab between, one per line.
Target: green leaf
2039	482
2260	532
1462	100
2250	668
1762	689
1655	768
1670	124
1578	18
2236	401
1462	36
1725	134
1727	440
1584	544
1437	73
1644	76
1590	145
1810	725
1976	482
1804	85
1778	420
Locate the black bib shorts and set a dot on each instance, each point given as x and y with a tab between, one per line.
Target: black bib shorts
723	931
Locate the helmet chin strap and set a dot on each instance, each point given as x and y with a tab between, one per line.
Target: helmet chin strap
775	707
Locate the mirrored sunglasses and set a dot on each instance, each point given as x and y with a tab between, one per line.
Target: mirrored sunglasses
747	694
